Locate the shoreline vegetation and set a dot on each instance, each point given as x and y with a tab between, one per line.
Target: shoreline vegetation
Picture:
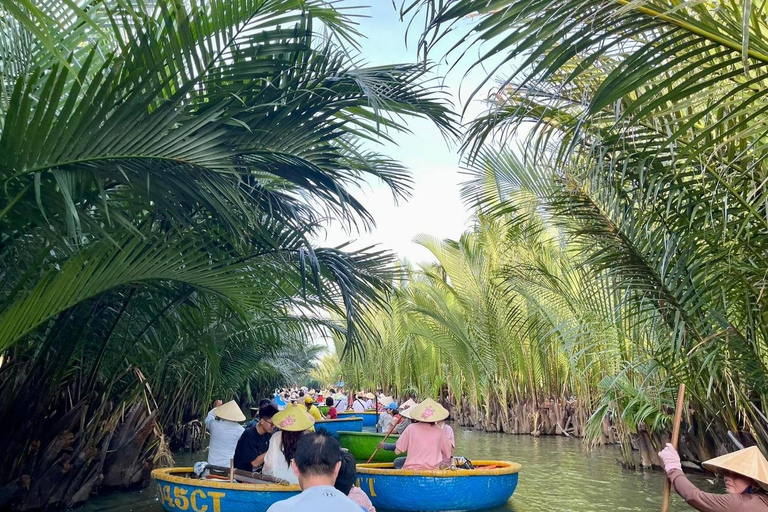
167	167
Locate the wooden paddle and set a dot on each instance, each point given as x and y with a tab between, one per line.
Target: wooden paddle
675	436
247	474
391	429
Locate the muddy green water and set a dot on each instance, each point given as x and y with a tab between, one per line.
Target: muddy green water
557	475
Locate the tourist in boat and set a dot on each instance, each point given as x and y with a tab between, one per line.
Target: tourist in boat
346	479
293	423
255	419
341	402
253	444
332	413
361	403
312	409
746	480
316	466
426	443
387	418
402	420
279	401
223	423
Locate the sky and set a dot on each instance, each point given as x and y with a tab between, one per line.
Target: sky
435	207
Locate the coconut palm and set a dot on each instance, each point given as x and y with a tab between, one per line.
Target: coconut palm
165	168
649	116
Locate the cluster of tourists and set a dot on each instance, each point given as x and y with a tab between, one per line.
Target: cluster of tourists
280	442
273	443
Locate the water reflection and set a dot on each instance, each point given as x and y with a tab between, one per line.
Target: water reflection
557	475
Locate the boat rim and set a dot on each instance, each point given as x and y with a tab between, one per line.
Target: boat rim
166	475
351	413
340	419
367	434
385	468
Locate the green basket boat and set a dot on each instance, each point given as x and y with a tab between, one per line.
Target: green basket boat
363	444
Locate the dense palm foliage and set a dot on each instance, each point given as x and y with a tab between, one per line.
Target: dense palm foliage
648	117
165	167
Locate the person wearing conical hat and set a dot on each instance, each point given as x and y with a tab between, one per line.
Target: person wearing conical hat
293	423
746	480
426	443
402	420
223	422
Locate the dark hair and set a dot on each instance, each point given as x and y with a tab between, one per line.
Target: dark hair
347	473
317	454
267	411
301	393
290	441
329	401
264	401
332	390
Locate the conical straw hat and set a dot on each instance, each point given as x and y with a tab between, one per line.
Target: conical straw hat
428	411
748	462
229	411
408	403
294	419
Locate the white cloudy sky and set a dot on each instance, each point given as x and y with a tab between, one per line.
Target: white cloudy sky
435	207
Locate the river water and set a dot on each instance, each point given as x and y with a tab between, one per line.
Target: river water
558	474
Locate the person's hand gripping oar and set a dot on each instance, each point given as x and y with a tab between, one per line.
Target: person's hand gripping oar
392	429
675	436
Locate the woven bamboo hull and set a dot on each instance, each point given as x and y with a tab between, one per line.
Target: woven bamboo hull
177	492
370	418
439	490
363	444
334	426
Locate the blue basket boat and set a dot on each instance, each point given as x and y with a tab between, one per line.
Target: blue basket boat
178	490
370	418
489	485
334	426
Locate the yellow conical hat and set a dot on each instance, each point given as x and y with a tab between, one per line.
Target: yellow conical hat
294	419
428	411
748	462
229	411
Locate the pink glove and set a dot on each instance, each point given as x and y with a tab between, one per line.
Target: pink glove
670	458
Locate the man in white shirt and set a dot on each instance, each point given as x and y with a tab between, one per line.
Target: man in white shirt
360	403
341	403
317	463
223	424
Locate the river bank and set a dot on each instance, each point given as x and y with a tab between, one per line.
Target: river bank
558	474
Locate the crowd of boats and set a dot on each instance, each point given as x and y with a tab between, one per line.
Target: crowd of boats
403	455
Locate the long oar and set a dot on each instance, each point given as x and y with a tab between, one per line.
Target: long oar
675	436
392	429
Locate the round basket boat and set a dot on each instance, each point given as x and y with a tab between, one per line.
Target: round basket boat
334	426
363	444
179	490
369	417
490	484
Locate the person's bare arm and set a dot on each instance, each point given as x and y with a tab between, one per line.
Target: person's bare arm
258	461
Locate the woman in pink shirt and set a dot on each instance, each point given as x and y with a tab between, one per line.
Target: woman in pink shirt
426	443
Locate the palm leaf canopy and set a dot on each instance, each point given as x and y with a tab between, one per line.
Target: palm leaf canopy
648	117
190	137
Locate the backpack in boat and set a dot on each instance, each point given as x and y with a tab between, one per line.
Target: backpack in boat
463	463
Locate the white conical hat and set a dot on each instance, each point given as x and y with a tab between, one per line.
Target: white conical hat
428	411
408	403
748	462
229	411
